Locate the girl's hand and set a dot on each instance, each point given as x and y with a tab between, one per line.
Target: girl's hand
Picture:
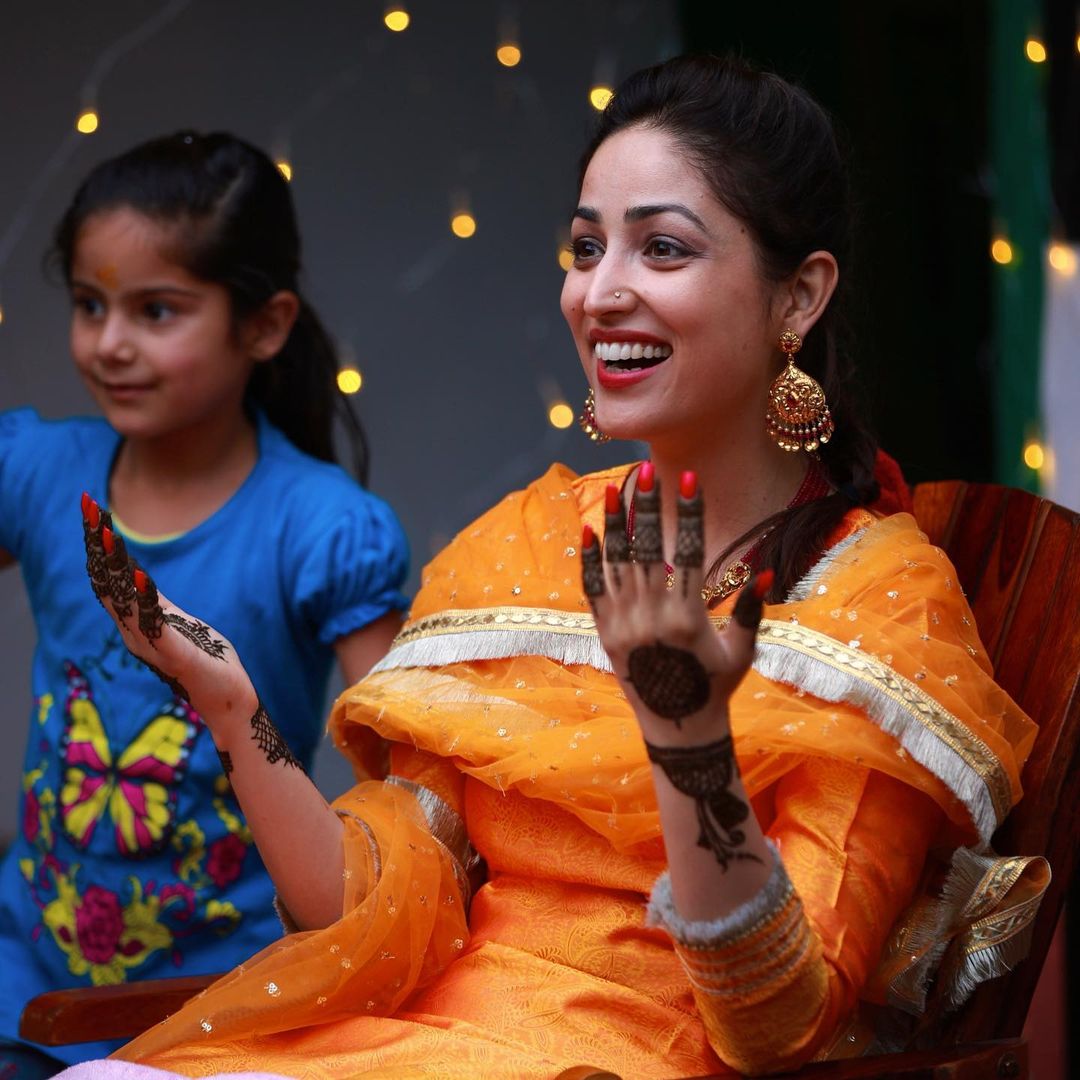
677	671
192	658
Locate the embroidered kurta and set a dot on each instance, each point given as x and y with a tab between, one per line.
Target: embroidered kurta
869	730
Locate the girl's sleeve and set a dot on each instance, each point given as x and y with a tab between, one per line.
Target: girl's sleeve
774	979
17	428
351	560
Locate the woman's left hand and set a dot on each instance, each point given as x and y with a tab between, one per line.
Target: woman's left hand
677	670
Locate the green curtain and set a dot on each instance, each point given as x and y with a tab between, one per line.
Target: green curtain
1020	162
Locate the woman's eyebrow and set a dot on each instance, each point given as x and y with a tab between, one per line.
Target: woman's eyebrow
587	213
639	213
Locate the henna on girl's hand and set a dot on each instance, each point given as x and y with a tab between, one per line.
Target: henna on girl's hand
95	557
121	587
170	682
592	565
672	682
151	617
270	739
198	634
705	774
751	600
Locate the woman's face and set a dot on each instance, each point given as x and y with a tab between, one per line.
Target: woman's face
672	318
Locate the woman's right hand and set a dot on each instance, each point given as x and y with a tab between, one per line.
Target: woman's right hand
192	658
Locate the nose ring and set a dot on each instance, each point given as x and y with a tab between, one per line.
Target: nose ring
618	295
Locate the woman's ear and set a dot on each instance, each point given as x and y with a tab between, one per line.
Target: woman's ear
266	332
808	291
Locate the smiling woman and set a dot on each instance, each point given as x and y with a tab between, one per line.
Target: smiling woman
620	828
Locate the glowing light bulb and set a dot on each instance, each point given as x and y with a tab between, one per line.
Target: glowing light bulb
599	96
1001	251
508	55
1	316
1078	43
1063	259
87	122
560	415
396	19
463	225
1035	50
566	258
1034	455
284	168
349	380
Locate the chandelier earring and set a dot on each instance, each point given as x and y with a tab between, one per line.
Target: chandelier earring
797	416
587	420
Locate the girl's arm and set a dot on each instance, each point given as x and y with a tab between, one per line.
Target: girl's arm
298	835
359	651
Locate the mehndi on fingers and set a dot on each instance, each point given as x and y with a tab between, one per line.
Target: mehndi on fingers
592	565
751	601
690	528
648	536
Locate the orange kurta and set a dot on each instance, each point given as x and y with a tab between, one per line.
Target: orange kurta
869	730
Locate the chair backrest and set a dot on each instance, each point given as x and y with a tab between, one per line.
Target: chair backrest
1018	559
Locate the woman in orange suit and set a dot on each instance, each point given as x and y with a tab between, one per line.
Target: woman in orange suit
670	745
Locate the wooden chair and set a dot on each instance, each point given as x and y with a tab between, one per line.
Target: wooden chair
1018	558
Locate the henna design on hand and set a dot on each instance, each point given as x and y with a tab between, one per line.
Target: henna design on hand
690	535
748	607
151	617
121	587
93	522
270	739
672	682
198	634
226	761
648	537
170	682
705	774
592	565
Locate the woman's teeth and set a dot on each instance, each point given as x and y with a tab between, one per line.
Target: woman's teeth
618	352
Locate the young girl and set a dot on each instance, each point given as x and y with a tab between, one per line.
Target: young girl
215	459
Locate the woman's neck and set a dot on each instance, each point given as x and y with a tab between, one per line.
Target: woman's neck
742	483
171	483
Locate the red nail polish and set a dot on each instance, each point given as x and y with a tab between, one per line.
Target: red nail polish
85	502
107	541
141	581
763	583
93	515
646	477
588	537
688	484
612	500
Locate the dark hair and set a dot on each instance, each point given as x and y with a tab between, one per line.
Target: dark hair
769	154
237	227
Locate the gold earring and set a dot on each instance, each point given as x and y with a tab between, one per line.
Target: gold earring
587	420
798	416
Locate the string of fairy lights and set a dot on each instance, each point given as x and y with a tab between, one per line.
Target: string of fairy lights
1060	257
463	224
396	19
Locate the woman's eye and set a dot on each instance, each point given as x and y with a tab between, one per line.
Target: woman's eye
585	248
666	248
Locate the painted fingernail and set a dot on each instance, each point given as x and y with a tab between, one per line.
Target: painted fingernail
588	537
763	583
107	541
646	477
612	500
688	484
141	580
85	502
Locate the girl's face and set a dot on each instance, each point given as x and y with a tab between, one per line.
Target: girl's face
156	346
669	312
